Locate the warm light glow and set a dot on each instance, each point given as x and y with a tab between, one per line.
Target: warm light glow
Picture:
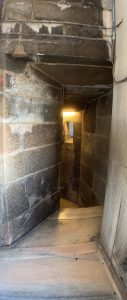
69	113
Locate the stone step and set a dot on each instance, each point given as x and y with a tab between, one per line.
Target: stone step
56	278
91	50
39	29
66	12
85	12
78	213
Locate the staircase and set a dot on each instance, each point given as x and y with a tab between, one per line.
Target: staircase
59	259
56	30
69	40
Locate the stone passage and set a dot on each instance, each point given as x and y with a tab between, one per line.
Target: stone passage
95	150
70	159
30	129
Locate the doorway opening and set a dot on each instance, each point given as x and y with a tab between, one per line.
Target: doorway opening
70	158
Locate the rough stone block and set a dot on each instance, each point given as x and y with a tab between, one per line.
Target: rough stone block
104	106
23	224
87	158
100	167
89	119
29	83
102	146
30	161
88	142
25	110
24	194
99	188
66	13
87	175
18	10
85	193
103	126
90	49
82	30
22	136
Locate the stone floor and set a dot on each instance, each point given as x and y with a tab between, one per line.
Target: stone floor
59	259
64	203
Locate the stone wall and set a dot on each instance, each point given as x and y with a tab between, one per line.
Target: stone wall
30	137
114	227
95	150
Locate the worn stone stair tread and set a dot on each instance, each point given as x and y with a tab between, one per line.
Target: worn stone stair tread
54	278
52	251
62	232
77	213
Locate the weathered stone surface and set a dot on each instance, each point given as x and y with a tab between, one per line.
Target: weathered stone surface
24	194
102	146
18	10
85	193
30	83
95	149
88	142
100	166
30	161
22	136
66	12
67	46
23	224
30	134
77	78
103	126
99	188
18	109
87	174
89	119
87	158
104	106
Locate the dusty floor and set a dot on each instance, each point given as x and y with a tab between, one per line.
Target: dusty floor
59	259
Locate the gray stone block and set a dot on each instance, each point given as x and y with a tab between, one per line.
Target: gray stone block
30	161
66	13
99	188
87	158
20	109
88	142
18	10
85	193
102	146
87	174
24	194
83	30
103	126
90	49
89	119
100	167
31	218
22	136
104	106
